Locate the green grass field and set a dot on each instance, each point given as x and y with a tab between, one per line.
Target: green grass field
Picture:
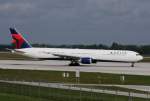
17	92
85	78
146	59
10	56
14	97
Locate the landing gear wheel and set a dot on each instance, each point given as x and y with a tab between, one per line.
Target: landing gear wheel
132	64
74	63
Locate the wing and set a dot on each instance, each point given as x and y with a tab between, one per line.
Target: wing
68	56
84	59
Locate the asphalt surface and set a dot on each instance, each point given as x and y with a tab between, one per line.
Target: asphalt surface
103	67
135	87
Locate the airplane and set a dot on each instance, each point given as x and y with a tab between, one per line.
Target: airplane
76	56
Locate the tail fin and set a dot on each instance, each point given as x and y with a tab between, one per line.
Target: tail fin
18	41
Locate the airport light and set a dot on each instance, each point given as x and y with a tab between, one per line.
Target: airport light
77	76
122	78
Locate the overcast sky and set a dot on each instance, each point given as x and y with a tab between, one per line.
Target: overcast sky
77	21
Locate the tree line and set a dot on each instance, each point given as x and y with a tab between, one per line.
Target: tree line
142	49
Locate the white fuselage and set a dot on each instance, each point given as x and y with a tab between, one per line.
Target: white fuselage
99	55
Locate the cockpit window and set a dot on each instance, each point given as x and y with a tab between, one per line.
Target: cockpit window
137	54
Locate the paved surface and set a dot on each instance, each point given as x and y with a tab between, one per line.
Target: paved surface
103	67
135	87
62	86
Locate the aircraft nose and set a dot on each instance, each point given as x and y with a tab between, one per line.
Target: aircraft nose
140	57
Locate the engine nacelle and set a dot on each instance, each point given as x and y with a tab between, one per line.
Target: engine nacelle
86	60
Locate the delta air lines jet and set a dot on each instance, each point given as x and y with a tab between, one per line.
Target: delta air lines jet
75	56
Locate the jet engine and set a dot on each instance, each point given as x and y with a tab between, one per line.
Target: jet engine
86	60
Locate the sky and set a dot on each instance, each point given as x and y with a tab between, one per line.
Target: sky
77	21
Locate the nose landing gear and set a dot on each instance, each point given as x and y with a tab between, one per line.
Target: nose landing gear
132	64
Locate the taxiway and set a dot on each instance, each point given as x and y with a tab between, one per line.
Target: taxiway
103	67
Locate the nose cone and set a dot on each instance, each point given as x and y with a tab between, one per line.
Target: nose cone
140	57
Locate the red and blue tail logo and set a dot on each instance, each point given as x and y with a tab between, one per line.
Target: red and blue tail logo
18	41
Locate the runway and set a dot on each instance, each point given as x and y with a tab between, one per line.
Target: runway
102	67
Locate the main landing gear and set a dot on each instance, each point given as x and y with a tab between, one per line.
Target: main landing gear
132	64
74	63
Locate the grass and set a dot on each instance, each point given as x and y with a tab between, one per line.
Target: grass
31	75
10	56
86	77
18	92
104	78
13	97
146	59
